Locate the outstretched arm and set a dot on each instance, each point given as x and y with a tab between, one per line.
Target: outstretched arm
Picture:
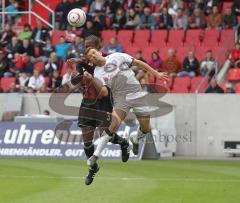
142	65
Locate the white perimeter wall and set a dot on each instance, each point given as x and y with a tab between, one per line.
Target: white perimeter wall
208	118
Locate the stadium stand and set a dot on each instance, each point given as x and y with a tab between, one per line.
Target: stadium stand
147	41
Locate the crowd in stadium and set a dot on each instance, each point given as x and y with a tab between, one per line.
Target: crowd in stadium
22	52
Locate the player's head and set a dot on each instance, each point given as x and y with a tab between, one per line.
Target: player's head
94	56
92	41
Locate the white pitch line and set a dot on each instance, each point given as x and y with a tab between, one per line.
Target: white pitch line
130	179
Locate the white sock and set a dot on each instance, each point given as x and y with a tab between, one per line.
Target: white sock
102	144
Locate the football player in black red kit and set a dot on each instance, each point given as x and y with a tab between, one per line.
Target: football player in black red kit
95	110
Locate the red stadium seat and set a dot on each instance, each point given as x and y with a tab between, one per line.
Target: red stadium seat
194	37
6	82
237	88
56	34
46	81
141	38
125	38
131	50
223	85
211	37
227	37
161	86
107	35
181	85
233	74
195	84
158	38
176	38
40	66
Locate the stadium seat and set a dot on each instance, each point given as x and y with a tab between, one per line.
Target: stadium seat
158	38
107	35
163	86
227	37
176	38
6	82
194	37
131	50
46	81
233	74
56	34
181	85
141	38
125	38
40	66
223	85
237	88
195	82
211	37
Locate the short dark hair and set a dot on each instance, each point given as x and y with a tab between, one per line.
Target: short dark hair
93	41
88	49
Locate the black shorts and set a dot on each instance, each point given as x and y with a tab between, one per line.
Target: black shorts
95	113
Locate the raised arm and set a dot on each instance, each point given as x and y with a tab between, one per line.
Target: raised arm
142	65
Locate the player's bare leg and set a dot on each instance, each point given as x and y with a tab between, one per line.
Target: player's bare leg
143	131
117	117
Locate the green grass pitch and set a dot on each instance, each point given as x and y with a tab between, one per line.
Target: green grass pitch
164	181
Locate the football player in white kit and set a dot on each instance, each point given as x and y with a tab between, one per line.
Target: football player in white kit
114	71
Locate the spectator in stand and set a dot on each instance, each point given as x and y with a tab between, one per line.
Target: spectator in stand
97	5
214	20
156	62
76	49
190	66
99	21
14	88
113	47
61	12
26	47
55	81
198	20
236	8
6	36
12	7
175	5
51	65
36	82
229	19
47	48
23	81
133	20
111	7
62	48
66	80
210	4
171	64
165	20
214	87
181	20
234	56
139	74
163	4
39	36
89	29
147	19
12	47
26	33
208	65
119	20
79	3
3	64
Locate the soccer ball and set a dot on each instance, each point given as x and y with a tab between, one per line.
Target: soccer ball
76	17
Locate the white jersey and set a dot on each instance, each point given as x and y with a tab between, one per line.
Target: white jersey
117	72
